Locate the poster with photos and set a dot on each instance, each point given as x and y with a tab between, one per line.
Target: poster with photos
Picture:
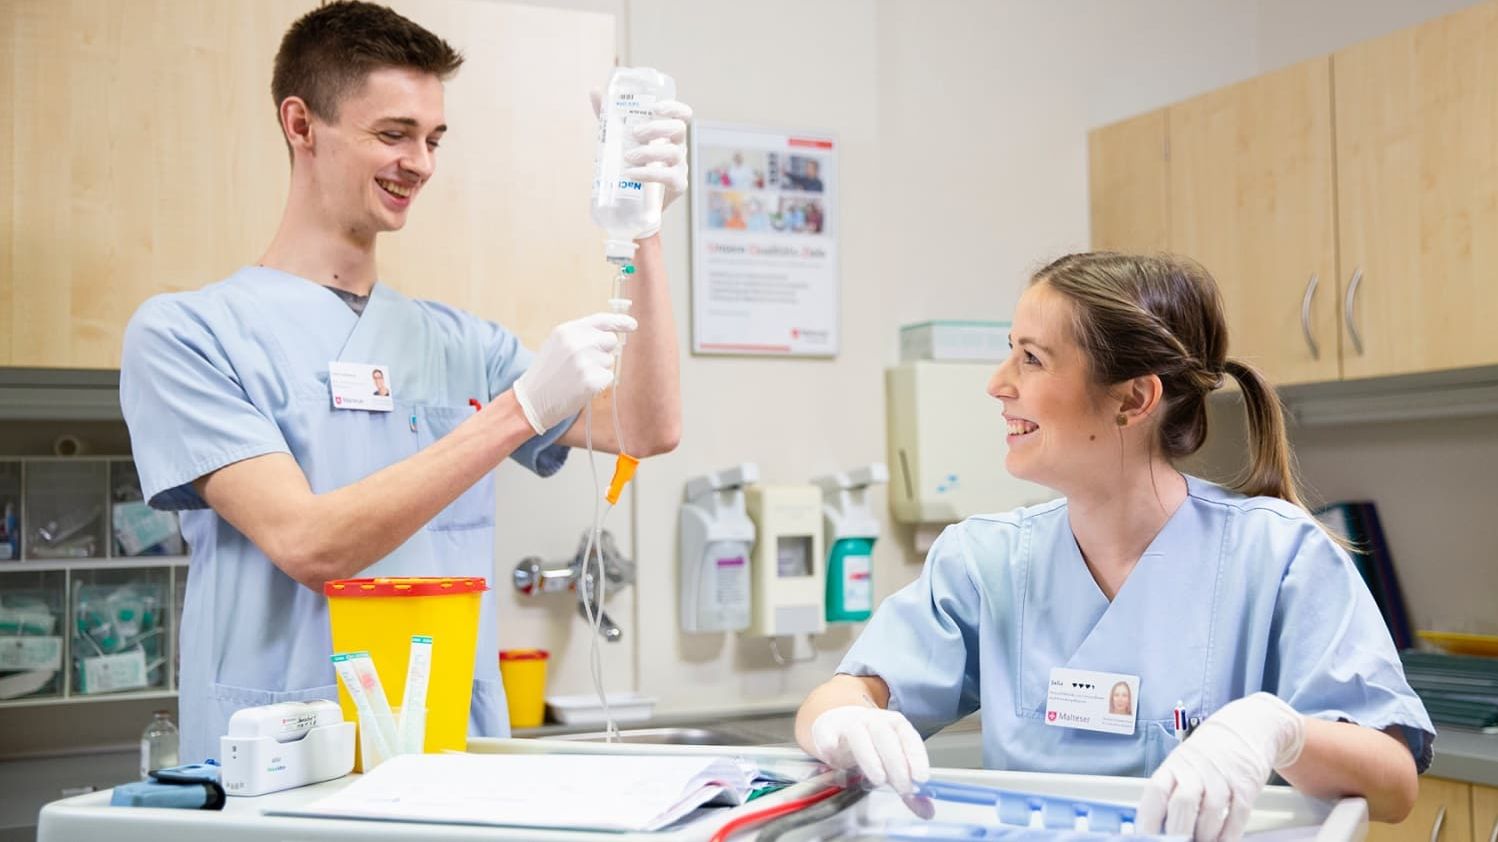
764	241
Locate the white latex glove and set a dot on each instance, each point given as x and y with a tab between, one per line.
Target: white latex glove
575	363
881	744
1206	788
662	159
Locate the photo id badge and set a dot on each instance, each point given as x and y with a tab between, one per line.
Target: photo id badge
1092	701
360	386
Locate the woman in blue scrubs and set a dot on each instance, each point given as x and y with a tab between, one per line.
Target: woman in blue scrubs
1229	604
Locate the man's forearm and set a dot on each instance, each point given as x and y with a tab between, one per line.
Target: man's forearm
649	393
336	534
650	397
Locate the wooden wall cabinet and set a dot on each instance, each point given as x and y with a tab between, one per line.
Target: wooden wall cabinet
1484	813
1129	183
1446	811
1348	205
1251	198
147	159
1417	189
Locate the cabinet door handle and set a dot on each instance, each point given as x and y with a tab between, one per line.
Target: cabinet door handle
1435	826
1347	302
1305	315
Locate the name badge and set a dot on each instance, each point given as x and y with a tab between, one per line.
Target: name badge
1092	701
360	386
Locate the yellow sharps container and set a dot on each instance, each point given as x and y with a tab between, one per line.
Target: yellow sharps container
379	616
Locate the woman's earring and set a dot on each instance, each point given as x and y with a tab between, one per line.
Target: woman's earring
1123	420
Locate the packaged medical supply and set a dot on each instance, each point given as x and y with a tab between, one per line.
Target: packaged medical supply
954	341
412	729
119	636
362	682
194	786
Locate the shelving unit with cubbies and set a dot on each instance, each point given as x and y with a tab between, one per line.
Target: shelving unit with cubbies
91	583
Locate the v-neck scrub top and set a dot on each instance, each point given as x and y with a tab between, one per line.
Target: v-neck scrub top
1235	595
239	369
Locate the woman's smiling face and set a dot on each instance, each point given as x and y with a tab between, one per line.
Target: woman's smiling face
1058	425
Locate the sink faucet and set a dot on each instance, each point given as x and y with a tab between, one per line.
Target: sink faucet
533	575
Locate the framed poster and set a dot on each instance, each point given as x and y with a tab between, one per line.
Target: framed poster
764	241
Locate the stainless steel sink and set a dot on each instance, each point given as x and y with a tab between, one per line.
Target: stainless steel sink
669	736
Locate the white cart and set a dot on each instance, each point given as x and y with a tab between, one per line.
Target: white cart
1281	813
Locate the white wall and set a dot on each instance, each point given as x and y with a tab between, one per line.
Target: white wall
963	138
1435	484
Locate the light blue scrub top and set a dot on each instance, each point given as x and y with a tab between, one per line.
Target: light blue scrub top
1234	595
239	369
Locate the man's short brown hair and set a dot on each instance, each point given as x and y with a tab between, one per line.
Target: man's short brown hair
328	52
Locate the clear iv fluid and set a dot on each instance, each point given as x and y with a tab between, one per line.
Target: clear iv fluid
626	208
158	744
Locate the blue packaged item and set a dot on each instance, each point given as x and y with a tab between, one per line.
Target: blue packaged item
193	786
962	832
1026	809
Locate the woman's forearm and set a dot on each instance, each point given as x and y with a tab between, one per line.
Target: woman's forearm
840	690
1341	759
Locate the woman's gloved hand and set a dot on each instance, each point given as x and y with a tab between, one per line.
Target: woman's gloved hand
575	363
1206	788
881	744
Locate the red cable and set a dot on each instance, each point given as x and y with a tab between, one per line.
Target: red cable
772	812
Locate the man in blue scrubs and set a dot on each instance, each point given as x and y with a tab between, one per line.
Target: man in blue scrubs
249	402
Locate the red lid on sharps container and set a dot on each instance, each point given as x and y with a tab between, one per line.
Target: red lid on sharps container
405	586
523	654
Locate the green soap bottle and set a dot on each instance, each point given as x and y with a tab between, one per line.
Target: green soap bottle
850	580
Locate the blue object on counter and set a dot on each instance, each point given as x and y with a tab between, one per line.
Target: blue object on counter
961	832
193	786
1025	809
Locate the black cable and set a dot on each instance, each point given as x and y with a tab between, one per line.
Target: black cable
815	813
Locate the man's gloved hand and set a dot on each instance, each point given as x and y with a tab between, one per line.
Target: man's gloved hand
1206	788
881	744
662	157
575	363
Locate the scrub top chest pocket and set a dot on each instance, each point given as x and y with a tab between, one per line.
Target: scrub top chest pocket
474	508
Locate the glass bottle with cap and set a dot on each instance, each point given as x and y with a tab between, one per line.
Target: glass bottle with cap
158	744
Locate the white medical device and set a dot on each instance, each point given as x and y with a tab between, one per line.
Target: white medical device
716	539
285	745
946	445
788	560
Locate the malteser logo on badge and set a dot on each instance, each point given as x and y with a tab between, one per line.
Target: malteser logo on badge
1050	715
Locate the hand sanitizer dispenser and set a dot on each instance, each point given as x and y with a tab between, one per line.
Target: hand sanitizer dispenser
716	539
788	560
851	532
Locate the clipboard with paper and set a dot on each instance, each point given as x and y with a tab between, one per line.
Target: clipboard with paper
614	793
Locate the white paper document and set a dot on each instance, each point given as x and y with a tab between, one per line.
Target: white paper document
601	792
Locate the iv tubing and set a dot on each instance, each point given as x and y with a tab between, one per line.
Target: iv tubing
768	813
595	546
